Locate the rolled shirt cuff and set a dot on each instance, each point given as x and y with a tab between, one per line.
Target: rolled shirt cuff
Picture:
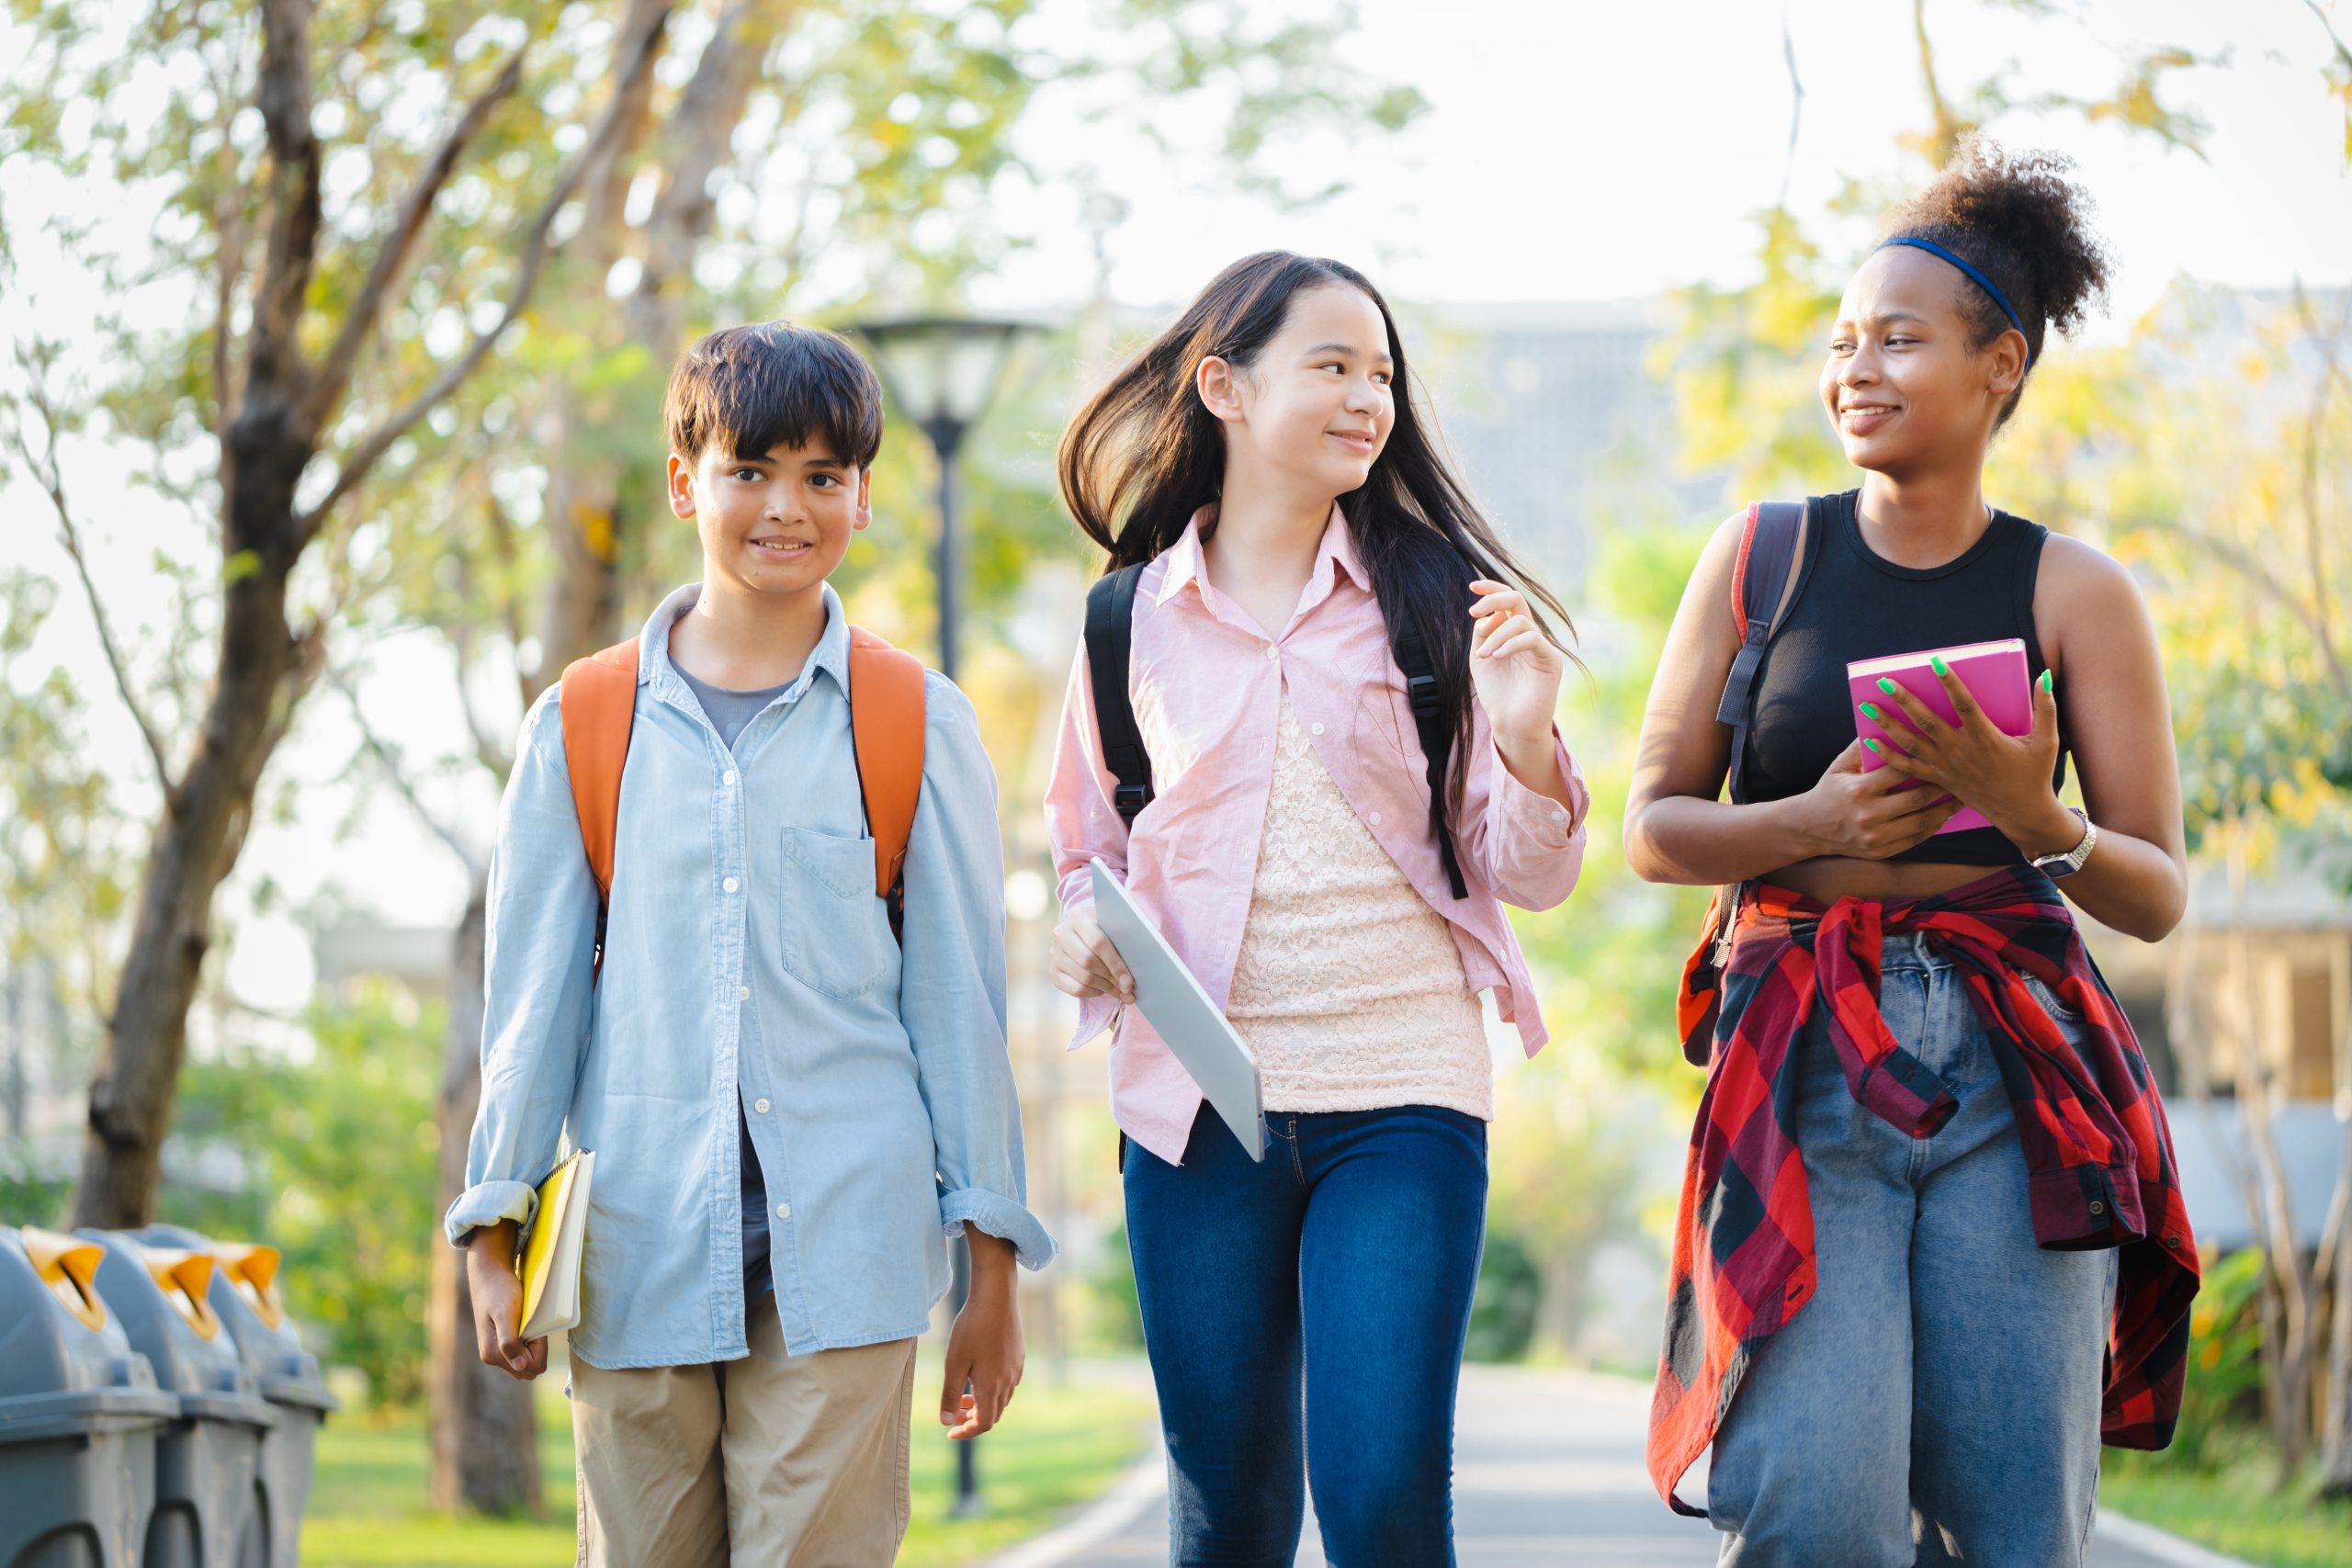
486	1204
1095	1014
993	1214
1543	821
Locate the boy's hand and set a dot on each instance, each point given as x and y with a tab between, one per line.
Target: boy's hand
1085	963
984	1348
497	1305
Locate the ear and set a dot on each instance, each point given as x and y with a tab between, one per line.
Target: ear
682	486
1218	385
2008	353
865	499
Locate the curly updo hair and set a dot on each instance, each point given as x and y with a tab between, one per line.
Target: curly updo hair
2021	219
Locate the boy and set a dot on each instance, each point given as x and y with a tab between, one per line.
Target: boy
789	1104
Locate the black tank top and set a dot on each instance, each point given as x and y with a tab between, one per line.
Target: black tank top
1855	604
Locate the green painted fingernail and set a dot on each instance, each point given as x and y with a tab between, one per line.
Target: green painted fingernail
1874	745
2045	681
1886	686
1871	709
1936	662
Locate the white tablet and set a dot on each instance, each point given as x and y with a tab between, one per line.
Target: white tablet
1195	1031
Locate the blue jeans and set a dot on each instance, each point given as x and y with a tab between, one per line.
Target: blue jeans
1305	1319
1938	1400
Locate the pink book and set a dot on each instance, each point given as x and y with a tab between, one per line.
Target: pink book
1994	673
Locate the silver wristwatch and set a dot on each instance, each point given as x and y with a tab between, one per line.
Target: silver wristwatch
2065	863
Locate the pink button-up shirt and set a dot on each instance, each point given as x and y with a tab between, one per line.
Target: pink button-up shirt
1207	686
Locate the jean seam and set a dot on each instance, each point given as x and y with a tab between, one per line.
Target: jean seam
1297	1165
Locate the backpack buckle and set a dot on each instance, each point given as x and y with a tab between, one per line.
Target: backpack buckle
1131	799
1423	690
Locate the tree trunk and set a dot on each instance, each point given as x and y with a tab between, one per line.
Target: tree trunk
484	1430
263	672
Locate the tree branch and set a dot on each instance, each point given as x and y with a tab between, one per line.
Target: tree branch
1796	106
229	258
1948	127
282	93
388	763
335	372
2248	565
2314	433
355	466
49	475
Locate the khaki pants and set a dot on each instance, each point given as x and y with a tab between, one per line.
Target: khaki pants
785	1461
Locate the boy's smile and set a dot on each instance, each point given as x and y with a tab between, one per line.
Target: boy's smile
773	524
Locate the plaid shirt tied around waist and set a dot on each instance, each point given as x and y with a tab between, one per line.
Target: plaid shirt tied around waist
2098	1151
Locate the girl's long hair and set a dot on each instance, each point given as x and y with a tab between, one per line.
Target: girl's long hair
1144	455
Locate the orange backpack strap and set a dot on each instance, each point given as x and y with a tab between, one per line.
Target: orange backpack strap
886	720
599	706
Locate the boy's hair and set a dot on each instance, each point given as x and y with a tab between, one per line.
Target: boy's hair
745	390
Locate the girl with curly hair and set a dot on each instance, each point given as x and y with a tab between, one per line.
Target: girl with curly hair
1932	1248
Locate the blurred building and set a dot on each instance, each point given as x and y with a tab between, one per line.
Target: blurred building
1557	420
2261	975
43	1069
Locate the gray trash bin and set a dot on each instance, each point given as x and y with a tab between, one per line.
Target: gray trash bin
208	1462
245	1292
79	1413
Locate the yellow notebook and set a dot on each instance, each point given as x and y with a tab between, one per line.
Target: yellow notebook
549	1266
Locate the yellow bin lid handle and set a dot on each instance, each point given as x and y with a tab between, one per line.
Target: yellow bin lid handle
69	1267
252	1269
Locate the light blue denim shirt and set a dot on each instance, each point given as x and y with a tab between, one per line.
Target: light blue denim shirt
746	955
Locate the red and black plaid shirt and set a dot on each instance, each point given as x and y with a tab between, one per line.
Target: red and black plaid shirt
2098	1151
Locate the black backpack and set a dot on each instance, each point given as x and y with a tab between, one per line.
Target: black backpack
1778	545
1110	635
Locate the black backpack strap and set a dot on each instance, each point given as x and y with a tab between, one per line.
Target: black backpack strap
1110	638
1437	743
1777	552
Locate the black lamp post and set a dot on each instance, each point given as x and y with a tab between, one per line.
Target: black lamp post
942	371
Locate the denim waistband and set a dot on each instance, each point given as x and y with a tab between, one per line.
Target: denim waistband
1910	950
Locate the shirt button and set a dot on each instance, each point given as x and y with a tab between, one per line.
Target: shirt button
729	884
742	993
728	777
2098	1207
1273	652
1373	818
760	1107
1318	729
783	1210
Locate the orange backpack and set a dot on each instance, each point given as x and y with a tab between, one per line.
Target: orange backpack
886	718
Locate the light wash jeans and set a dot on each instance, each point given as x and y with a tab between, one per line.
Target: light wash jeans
1938	1400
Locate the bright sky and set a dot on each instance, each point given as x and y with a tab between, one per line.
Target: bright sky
1580	150
1572	151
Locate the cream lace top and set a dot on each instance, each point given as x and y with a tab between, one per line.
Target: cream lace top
1349	987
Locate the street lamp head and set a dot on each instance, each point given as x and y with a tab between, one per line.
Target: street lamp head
942	370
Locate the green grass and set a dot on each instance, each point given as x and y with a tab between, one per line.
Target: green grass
2234	1509
1060	1446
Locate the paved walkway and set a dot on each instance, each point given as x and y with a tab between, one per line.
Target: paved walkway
1548	1471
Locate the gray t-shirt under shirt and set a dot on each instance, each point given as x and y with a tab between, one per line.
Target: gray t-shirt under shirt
728	712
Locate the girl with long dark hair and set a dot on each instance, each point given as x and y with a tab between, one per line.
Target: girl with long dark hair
1931	1246
1296	526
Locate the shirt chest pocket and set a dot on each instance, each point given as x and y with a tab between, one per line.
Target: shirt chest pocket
835	934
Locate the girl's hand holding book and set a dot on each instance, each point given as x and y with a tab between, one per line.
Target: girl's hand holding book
1868	816
2004	776
1084	963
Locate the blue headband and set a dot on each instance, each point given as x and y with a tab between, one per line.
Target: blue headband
1980	281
